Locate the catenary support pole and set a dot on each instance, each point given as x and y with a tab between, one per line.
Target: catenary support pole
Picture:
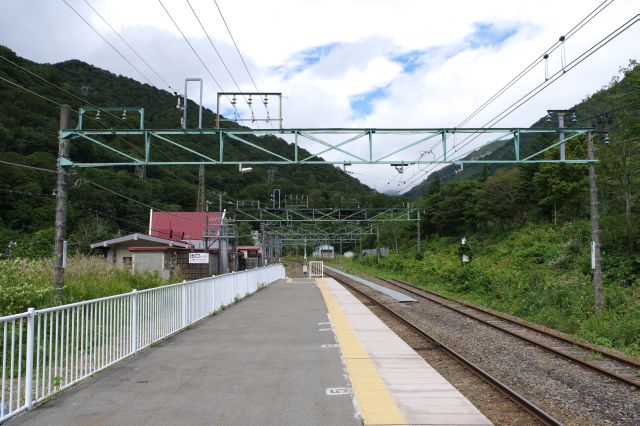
561	125
62	200
595	228
418	233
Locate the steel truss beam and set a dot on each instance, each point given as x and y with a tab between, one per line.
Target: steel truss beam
337	215
357	145
299	236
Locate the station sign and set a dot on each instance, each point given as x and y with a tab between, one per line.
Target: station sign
198	257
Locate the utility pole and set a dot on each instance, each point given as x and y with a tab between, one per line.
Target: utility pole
595	227
378	242
62	200
561	114
418	233
200	205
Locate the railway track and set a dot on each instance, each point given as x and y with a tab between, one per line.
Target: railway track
523	403
591	357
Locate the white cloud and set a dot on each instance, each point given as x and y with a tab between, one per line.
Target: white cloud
457	56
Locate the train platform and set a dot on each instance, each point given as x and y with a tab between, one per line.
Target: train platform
301	351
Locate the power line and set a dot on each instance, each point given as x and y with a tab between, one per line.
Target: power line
190	45
26	166
577	27
32	92
130	47
76	97
255	86
107	41
133	200
192	48
236	46
539	59
533	92
89	103
218	53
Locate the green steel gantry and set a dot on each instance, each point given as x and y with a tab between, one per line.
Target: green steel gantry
319	215
350	145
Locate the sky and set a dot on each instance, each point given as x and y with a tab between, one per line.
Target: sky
344	63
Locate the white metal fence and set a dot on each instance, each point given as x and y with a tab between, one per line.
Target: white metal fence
47	350
316	268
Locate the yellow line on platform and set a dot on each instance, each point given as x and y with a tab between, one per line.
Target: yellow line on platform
376	404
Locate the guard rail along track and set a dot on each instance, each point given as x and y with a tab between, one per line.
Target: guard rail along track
611	364
44	351
520	400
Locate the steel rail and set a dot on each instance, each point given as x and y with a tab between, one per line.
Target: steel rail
511	394
532	327
421	293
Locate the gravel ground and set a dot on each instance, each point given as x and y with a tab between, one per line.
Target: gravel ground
572	394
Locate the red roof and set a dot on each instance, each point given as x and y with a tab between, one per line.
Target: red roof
179	226
213	250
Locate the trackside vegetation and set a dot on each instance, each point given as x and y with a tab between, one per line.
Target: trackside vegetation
539	272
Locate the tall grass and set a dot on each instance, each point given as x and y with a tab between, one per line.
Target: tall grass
29	283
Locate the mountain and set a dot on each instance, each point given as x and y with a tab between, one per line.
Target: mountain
28	135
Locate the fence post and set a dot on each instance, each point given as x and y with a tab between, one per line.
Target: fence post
184	304
134	321
28	399
213	294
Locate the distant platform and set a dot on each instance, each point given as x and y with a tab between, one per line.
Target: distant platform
400	297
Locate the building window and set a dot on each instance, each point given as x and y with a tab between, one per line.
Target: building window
127	262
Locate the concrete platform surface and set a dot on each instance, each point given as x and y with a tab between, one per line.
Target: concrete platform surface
386	372
260	362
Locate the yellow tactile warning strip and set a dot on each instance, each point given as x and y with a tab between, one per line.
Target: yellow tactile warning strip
377	406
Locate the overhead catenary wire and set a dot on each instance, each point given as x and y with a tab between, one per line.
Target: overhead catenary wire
190	45
577	27
195	52
107	41
246	67
540	87
92	118
130	47
595	12
73	95
86	101
220	56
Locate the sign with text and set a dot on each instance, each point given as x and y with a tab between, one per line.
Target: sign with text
198	257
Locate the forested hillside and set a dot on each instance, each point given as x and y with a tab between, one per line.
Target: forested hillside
28	135
498	199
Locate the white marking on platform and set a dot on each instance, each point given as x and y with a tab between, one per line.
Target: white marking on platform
338	391
329	345
324	323
325	329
